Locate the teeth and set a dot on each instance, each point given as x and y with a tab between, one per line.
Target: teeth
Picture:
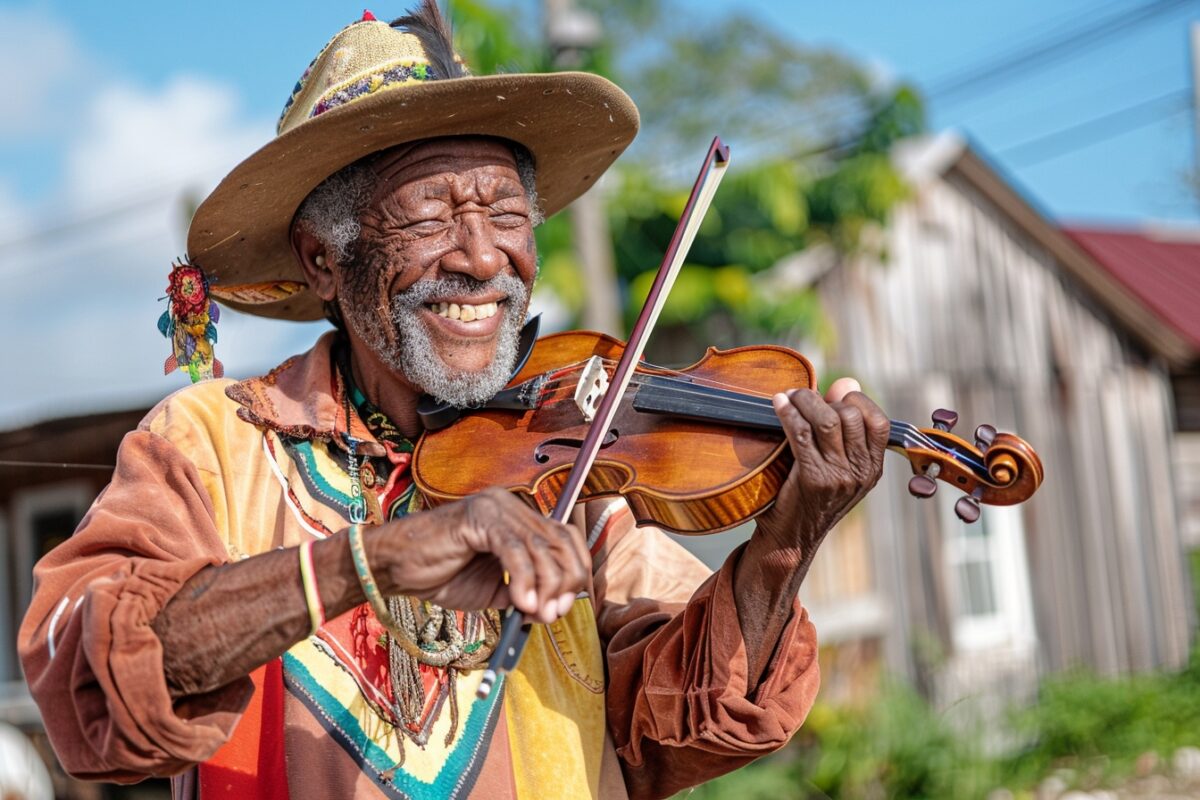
465	312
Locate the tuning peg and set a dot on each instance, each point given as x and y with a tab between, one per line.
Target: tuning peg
944	419
967	509
922	486
984	436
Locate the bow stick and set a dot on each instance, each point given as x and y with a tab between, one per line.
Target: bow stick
514	632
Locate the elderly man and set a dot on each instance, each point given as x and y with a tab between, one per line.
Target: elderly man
207	620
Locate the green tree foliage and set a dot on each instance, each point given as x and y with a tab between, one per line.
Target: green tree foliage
810	133
492	38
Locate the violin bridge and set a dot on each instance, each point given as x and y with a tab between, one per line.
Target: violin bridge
593	383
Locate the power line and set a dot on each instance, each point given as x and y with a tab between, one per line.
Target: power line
49	261
1062	43
1077	103
75	224
1103	127
55	465
1005	66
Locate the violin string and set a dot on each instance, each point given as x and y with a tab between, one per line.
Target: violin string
753	404
567	373
688	388
913	437
689	385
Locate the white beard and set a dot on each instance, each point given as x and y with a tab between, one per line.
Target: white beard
413	353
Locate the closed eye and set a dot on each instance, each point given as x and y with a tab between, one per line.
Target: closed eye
509	219
427	227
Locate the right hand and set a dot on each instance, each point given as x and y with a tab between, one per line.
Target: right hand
456	555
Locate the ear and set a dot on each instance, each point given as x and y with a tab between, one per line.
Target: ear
317	264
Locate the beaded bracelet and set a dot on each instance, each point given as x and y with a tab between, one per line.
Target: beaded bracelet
367	580
312	597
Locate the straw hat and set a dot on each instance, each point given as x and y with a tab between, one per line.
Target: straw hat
371	87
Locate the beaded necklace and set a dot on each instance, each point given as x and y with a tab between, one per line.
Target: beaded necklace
430	634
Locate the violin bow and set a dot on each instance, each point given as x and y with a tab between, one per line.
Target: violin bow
514	632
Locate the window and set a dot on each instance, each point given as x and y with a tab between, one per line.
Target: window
972	552
988	579
44	518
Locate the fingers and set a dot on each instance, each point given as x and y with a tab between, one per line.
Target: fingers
545	560
876	425
808	421
854	433
522	573
844	429
840	388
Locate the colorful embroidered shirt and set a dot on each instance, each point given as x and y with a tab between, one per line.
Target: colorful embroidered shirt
639	691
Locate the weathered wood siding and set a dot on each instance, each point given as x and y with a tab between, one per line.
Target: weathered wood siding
1187	472
970	312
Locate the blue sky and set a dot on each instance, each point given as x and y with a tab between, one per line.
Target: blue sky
111	116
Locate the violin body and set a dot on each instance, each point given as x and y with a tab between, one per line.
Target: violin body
694	451
683	475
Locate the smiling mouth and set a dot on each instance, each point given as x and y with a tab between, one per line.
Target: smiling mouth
464	312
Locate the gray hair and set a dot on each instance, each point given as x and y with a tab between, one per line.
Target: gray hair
331	211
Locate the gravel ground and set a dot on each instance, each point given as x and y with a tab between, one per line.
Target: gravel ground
1178	779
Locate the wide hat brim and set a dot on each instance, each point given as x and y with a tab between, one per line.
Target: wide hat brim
575	125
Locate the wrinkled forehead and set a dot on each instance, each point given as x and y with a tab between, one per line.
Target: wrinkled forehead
416	160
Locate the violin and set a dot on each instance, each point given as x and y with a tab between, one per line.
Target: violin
694	451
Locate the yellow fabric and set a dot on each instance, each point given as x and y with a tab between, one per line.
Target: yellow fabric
198	422
422	763
554	706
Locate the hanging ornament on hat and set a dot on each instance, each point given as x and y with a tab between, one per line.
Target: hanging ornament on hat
190	322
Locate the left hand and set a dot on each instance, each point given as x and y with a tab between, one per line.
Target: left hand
838	443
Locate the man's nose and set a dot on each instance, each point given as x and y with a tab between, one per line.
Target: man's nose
477	253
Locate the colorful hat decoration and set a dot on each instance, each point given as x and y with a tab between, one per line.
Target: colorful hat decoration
190	322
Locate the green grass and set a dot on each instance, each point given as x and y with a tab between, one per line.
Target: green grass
898	747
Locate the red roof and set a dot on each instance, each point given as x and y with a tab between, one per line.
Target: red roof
1160	268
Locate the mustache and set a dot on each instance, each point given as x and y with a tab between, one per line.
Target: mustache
423	292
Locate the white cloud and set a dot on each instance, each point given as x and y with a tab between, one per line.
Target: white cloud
44	66
13	216
881	74
139	143
81	292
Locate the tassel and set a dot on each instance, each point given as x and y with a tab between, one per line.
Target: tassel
190	323
368	16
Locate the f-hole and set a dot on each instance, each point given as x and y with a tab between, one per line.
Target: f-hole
541	457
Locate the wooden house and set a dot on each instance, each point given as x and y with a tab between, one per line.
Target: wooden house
979	303
1160	268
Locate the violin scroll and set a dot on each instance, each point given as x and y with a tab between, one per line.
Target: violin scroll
998	469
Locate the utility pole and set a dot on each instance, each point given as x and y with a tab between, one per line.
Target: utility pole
1195	41
570	33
